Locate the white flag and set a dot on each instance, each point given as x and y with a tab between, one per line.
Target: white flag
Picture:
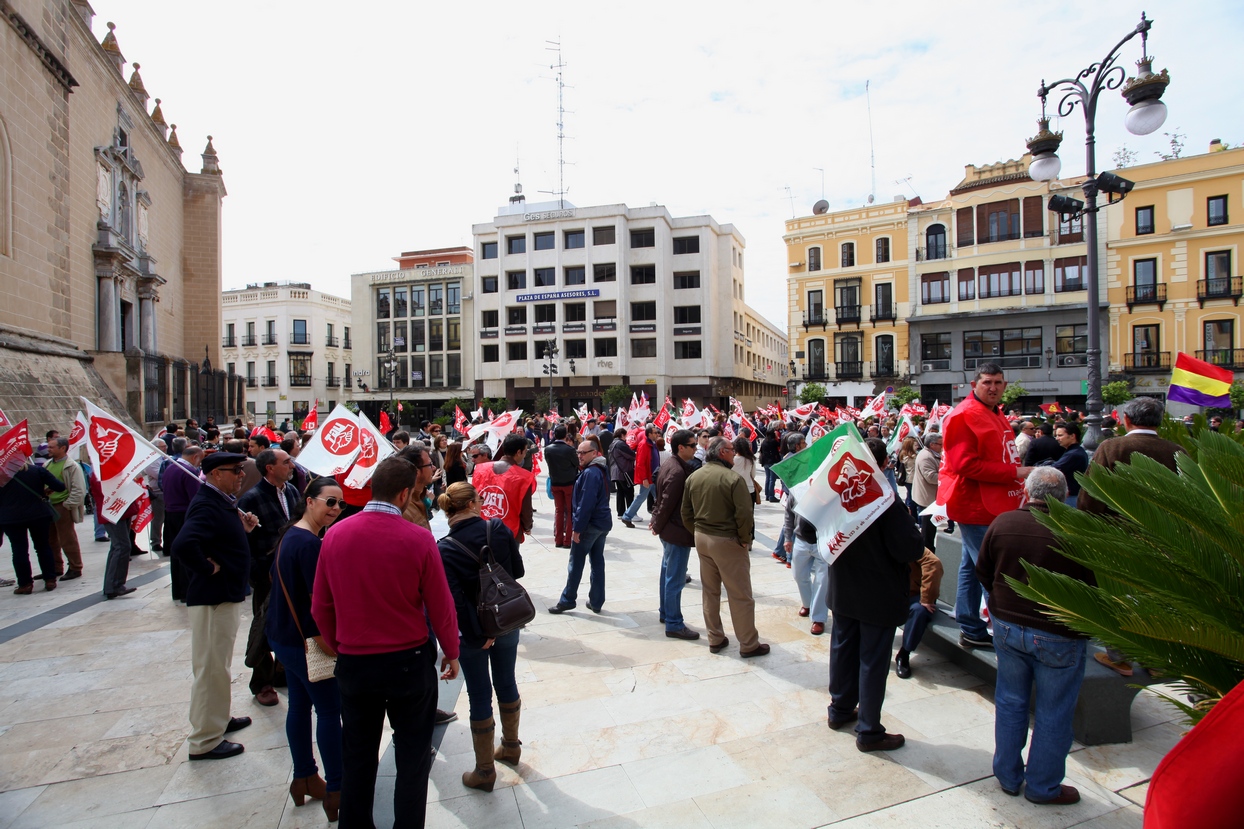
495	430
78	433
902	431
373	448
334	446
118	455
937	512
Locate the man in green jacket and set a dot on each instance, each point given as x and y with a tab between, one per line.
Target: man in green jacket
67	505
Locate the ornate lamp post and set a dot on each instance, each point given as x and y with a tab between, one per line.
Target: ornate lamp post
1147	113
390	369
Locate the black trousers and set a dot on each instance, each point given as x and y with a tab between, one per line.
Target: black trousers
859	663
264	673
173	522
402	685
626	494
38	531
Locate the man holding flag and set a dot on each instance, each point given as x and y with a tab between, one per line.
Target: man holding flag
22	510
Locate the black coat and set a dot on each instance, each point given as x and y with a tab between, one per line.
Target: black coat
870	579
213	529
25	504
1042	449
462	570
562	462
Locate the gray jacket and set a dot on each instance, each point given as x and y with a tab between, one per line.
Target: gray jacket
924	484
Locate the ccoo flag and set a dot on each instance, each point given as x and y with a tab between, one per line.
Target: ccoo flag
1200	383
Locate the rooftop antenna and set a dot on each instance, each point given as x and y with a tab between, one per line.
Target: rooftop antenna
518	185
872	150
560	192
822	170
791	196
905	182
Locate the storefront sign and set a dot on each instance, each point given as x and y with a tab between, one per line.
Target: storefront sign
687	331
574	328
643	328
554	295
548	215
515	329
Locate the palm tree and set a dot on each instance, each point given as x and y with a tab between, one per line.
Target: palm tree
1169	565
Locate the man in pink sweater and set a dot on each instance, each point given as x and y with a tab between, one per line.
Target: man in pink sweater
377	573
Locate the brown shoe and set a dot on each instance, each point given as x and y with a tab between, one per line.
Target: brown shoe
721	646
24	590
889	742
50	584
332	805
70	575
838	725
818	628
267	696
804	611
1066	796
759	650
1120	668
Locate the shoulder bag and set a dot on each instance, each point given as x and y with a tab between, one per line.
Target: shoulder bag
320	666
503	603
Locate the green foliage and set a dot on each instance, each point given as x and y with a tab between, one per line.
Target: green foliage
497	404
812	393
444	421
1176	140
1169	565
902	396
1014	391
616	396
1116	393
1237	394
541	404
465	403
1123	157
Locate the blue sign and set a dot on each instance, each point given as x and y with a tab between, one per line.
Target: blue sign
545	297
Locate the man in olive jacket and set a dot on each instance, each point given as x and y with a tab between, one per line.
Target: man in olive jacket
667	525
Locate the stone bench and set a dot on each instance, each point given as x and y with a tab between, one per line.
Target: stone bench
1103	710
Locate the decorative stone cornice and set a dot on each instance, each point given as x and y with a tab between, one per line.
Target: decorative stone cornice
50	61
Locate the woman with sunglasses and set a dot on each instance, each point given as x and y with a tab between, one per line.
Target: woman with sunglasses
478	653
293	574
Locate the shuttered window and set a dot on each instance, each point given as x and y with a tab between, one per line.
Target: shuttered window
963	221
967	284
1034	218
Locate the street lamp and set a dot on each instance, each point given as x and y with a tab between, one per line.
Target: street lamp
550	368
1147	113
390	367
1049	361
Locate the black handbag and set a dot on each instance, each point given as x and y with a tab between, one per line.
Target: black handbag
503	604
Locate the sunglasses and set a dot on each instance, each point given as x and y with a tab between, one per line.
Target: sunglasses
588	452
331	502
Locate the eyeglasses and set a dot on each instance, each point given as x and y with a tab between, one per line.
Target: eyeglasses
236	470
331	502
424	465
588	452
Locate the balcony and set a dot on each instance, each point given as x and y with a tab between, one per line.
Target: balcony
252	382
1220	287
269	339
849	371
847	313
884	312
1147	362
814	317
331	342
332	382
302	380
248	340
930	254
885	369
269	382
1014	361
302	338
1146	295
816	374
1232	358
229	342
345	343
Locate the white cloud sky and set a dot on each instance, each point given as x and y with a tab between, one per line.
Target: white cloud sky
351	132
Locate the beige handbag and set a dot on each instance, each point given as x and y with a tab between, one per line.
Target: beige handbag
320	666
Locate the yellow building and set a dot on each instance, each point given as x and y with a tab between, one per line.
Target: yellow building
1173	268
848	295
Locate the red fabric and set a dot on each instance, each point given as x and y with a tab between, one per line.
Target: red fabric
501	496
977	478
563	513
643	461
376	574
1199	780
385	425
353	497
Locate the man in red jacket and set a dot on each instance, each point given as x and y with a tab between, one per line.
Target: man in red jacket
647	462
980	479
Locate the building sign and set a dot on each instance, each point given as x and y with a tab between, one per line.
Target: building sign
605	364
545	328
609	325
408	274
416	375
574	327
687	331
488	333
643	328
548	295
515	329
548	215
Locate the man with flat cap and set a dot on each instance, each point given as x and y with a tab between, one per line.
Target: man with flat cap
213	551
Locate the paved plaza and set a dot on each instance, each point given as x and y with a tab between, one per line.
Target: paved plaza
621	726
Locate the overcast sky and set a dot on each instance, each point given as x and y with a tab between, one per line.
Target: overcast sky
351	132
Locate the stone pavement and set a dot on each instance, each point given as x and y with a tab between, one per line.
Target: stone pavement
622	727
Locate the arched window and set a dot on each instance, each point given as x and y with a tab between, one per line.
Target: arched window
816	360
814	259
884	346
848	254
935	242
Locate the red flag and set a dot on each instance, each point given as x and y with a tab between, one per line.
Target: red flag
728	432
662	417
312	420
118	454
385	425
1050	408
78	433
272	436
399	405
460	420
4	419
141	511
535	463
749	426
14	450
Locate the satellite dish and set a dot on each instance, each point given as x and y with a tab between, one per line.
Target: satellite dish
820	208
870	198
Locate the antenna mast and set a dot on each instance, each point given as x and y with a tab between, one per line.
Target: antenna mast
556	46
872	150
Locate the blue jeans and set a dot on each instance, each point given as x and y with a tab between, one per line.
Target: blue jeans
303	696
591	545
968	596
918	618
1056	665
770	484
475	664
780	549
641	498
673	580
812	578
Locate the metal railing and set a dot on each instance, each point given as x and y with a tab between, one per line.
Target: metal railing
929	254
252	382
1146	294
847	313
811	318
1220	287
331	342
269	339
884	369
269	382
1145	361
849	371
1232	358
248	340
300	339
228	342
300	380
884	312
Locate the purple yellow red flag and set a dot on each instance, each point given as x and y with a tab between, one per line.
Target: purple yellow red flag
1200	383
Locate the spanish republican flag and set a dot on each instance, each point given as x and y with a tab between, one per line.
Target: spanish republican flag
1200	383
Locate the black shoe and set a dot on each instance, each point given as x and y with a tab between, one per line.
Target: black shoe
594	609
628	523
902	665
682	633
124	591
220	752
237	724
972	642
838	725
443	716
70	575
688	580
760	650
1008	791
156	548
560	608
889	742
725	643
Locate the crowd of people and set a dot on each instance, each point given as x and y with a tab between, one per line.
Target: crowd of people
355	574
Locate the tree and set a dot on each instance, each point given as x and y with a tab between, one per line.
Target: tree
1237	394
903	396
616	396
541	404
812	393
1176	139
1169	565
1123	157
1014	391
467	404
497	404
1116	393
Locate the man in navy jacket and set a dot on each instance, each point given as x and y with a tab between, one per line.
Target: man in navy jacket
592	523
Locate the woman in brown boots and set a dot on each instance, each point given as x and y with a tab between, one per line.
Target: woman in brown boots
486	663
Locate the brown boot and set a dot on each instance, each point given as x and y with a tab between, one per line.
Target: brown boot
511	747
300	788
485	774
332	805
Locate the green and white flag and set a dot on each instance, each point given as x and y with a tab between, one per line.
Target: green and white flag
904	430
837	487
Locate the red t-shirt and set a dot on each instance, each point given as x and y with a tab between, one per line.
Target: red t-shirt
501	496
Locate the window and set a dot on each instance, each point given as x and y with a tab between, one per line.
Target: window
997	221
576	311
399	302
399	336
516	315
270	378
488	319
967	284
250	372
453	364
1070	274
382	304
605	273
300	369
546	313
515	351
492	354
345	336
816	306
418	343
603	235
686	244
436	335
489	285
232	368
848	254
1146	342
401	379
1009	348
645	238
643	274
934	288
488	250
575	276
605	309
643	311
1034	277
816	359
686	315
544	241
884	347
1145	280
999	280
436	304
935	242
417	306
935	347
964	225
814	259
515	244
688	349
883	293
644	348
382	336
574	239
883	250
1144	220
269	337
544	277
1070	229
417	377
1070	340
1218	271
607	347
576	349
1219	341
1034	217
515	280
1217	208
542	349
